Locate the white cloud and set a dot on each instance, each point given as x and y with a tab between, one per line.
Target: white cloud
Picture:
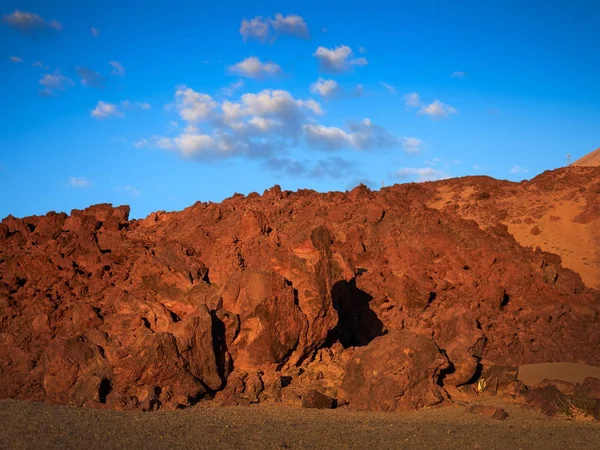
435	109
270	28
411	144
95	32
518	169
104	110
323	87
141	143
363	135
327	138
259	124
391	89
28	23
458	75
15	59
339	59
412	100
232	88
252	67
290	25
194	106
362	50
259	28
78	182
118	68
256	124
39	64
54	82
438	109
422	174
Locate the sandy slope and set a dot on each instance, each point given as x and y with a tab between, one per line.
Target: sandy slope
32	425
558	211
591	159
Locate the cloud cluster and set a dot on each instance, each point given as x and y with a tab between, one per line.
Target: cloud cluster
337	60
435	109
262	125
268	29
252	67
29	23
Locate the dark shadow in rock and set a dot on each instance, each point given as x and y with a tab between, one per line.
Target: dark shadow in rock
357	322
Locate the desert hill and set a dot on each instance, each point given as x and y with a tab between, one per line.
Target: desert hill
590	160
387	300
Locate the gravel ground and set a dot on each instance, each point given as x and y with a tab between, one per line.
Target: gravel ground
27	425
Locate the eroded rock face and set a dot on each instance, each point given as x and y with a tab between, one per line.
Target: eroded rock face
264	298
398	371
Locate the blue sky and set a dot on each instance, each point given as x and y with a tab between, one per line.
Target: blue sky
163	105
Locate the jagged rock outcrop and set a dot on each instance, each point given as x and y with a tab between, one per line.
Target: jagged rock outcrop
356	295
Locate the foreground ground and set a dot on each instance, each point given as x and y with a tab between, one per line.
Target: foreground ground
26	425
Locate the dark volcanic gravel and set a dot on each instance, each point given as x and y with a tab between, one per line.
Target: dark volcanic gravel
25	425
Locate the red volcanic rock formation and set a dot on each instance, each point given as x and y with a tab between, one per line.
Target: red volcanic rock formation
380	300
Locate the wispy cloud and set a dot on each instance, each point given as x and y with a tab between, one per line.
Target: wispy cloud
458	75
518	169
268	29
333	167
438	109
94	32
232	88
78	182
30	23
252	67
104	110
132	191
15	59
421	174
118	69
412	100
54	82
412	144
141	105
435	109
39	64
391	89
337	60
